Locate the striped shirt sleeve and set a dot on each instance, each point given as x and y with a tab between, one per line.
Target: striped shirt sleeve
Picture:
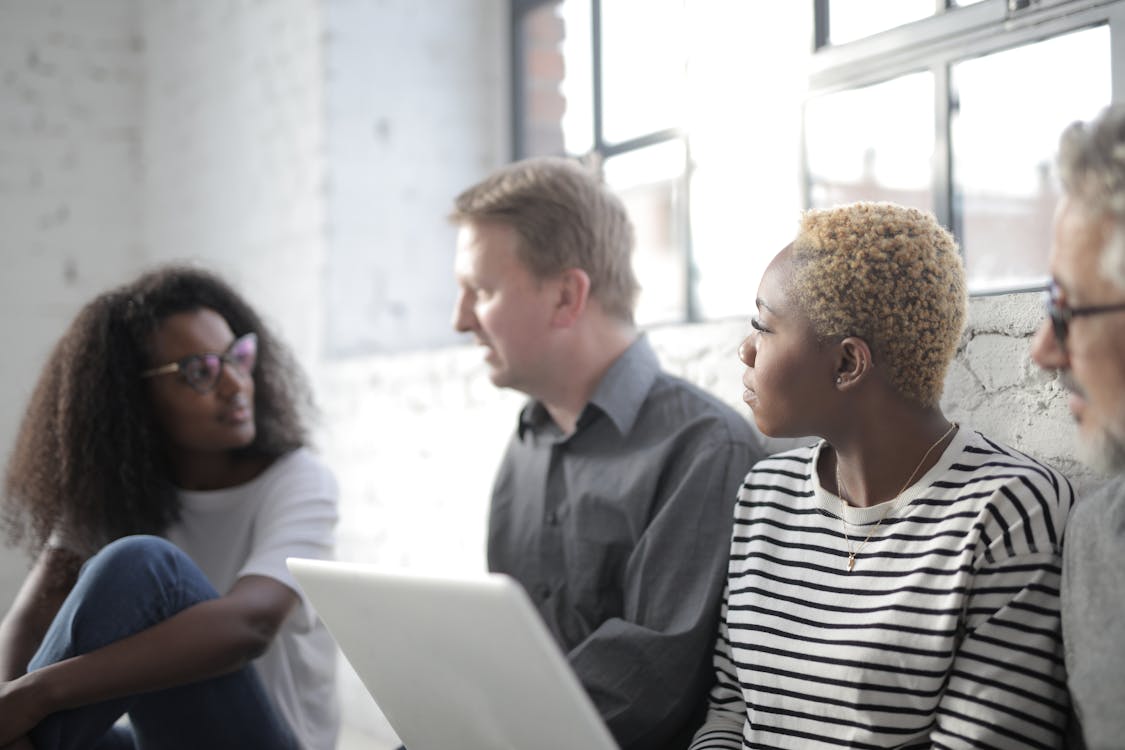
722	729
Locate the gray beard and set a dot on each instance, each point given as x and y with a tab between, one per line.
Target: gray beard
1104	452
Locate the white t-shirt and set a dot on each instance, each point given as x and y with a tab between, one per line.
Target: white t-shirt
287	511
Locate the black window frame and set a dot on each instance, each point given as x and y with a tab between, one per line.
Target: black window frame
937	43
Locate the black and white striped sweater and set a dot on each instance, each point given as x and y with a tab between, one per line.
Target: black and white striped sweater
946	633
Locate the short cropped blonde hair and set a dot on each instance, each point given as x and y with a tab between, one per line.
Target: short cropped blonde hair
890	275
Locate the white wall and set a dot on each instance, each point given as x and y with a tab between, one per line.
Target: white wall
234	168
69	171
416	99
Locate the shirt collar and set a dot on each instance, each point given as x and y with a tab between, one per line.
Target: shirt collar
619	394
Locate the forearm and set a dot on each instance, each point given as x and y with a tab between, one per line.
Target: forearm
200	642
38	601
18	641
21	632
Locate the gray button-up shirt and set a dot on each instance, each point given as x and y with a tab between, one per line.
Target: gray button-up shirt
620	532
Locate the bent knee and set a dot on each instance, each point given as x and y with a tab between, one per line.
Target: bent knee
144	563
129	551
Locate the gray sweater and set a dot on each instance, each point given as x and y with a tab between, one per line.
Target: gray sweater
1093	614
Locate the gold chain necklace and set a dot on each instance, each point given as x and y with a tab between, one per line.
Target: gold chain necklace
844	502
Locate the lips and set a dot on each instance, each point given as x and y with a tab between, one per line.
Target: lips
749	395
238	412
489	352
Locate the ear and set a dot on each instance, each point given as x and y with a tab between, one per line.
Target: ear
572	296
854	362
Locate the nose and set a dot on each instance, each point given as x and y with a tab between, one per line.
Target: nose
748	350
1045	349
464	319
231	380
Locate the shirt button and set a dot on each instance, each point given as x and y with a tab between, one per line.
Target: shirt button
552	518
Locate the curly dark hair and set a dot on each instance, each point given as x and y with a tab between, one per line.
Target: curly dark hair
89	455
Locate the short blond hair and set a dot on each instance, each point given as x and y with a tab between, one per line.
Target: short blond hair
565	218
890	275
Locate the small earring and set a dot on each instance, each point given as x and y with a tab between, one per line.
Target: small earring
839	380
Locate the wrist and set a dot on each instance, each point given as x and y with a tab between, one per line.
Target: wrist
34	693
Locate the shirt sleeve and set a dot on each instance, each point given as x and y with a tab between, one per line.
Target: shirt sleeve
1007	686
297	519
648	671
726	710
1007	683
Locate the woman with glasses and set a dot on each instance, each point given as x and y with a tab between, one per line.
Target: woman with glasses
160	480
895	583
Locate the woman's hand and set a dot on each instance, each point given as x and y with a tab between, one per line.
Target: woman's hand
20	711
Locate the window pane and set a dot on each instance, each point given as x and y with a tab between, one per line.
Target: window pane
578	78
746	187
642	66
872	143
542	35
1013	106
650	182
849	20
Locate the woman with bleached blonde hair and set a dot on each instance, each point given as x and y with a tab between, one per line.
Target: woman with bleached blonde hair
895	583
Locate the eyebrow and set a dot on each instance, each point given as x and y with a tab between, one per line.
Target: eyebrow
762	303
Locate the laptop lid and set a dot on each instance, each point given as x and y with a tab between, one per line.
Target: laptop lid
454	663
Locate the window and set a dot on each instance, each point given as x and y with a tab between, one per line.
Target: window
849	20
957	108
1003	148
692	107
872	143
719	122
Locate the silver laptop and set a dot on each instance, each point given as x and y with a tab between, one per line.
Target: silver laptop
454	664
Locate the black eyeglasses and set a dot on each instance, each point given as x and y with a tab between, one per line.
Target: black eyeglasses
202	371
1061	314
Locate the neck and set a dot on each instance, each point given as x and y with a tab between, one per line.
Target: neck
877	458
215	471
586	356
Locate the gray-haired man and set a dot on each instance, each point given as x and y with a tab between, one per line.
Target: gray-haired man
1083	339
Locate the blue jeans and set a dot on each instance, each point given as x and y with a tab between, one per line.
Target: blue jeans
129	586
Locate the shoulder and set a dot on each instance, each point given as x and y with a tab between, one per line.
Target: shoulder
1098	518
1017	501
788	469
300	472
781	482
989	464
680	402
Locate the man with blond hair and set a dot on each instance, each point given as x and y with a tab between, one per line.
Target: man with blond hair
614	501
1083	339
